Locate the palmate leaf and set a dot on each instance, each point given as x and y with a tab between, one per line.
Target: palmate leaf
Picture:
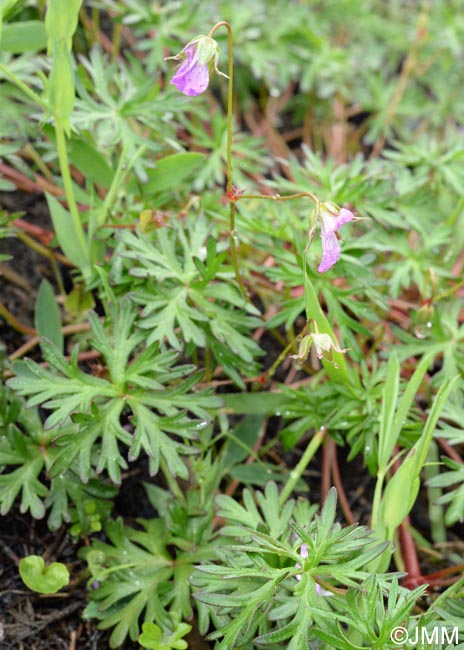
26	454
140	572
254	581
130	569
25	479
187	295
243	623
141	405
23	456
363	612
41	385
86	505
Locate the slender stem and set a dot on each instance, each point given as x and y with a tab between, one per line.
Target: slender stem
456	212
233	251
337	479
408	555
376	503
230	114
230	98
35	156
450	291
14	322
117	29
68	187
29	345
115	185
270	373
277	197
46	252
22	86
171	481
296	473
454	588
406	70
263	197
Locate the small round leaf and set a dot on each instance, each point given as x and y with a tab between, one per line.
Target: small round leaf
41	578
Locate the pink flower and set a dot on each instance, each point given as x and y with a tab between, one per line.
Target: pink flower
319	590
192	77
304	554
330	223
198	58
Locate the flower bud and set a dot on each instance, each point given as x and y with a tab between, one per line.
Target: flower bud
303	350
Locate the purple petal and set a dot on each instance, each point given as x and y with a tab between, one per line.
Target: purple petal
303	553
331	222
191	78
343	217
330	250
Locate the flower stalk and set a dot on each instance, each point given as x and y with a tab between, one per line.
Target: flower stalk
229	188
307	457
68	187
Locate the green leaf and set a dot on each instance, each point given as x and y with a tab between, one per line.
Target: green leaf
255	403
41	578
47	315
171	170
138	575
90	162
242	440
260	474
22	450
152	637
387	414
24	36
438	405
401	491
6	186
67	236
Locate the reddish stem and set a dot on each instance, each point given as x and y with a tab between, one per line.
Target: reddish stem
449	450
409	553
344	504
327	453
44	236
22	182
408	549
437	576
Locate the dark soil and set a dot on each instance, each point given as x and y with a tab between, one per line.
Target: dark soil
35	621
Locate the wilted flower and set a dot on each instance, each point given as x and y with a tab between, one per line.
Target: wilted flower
331	220
324	344
303	350
199	56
